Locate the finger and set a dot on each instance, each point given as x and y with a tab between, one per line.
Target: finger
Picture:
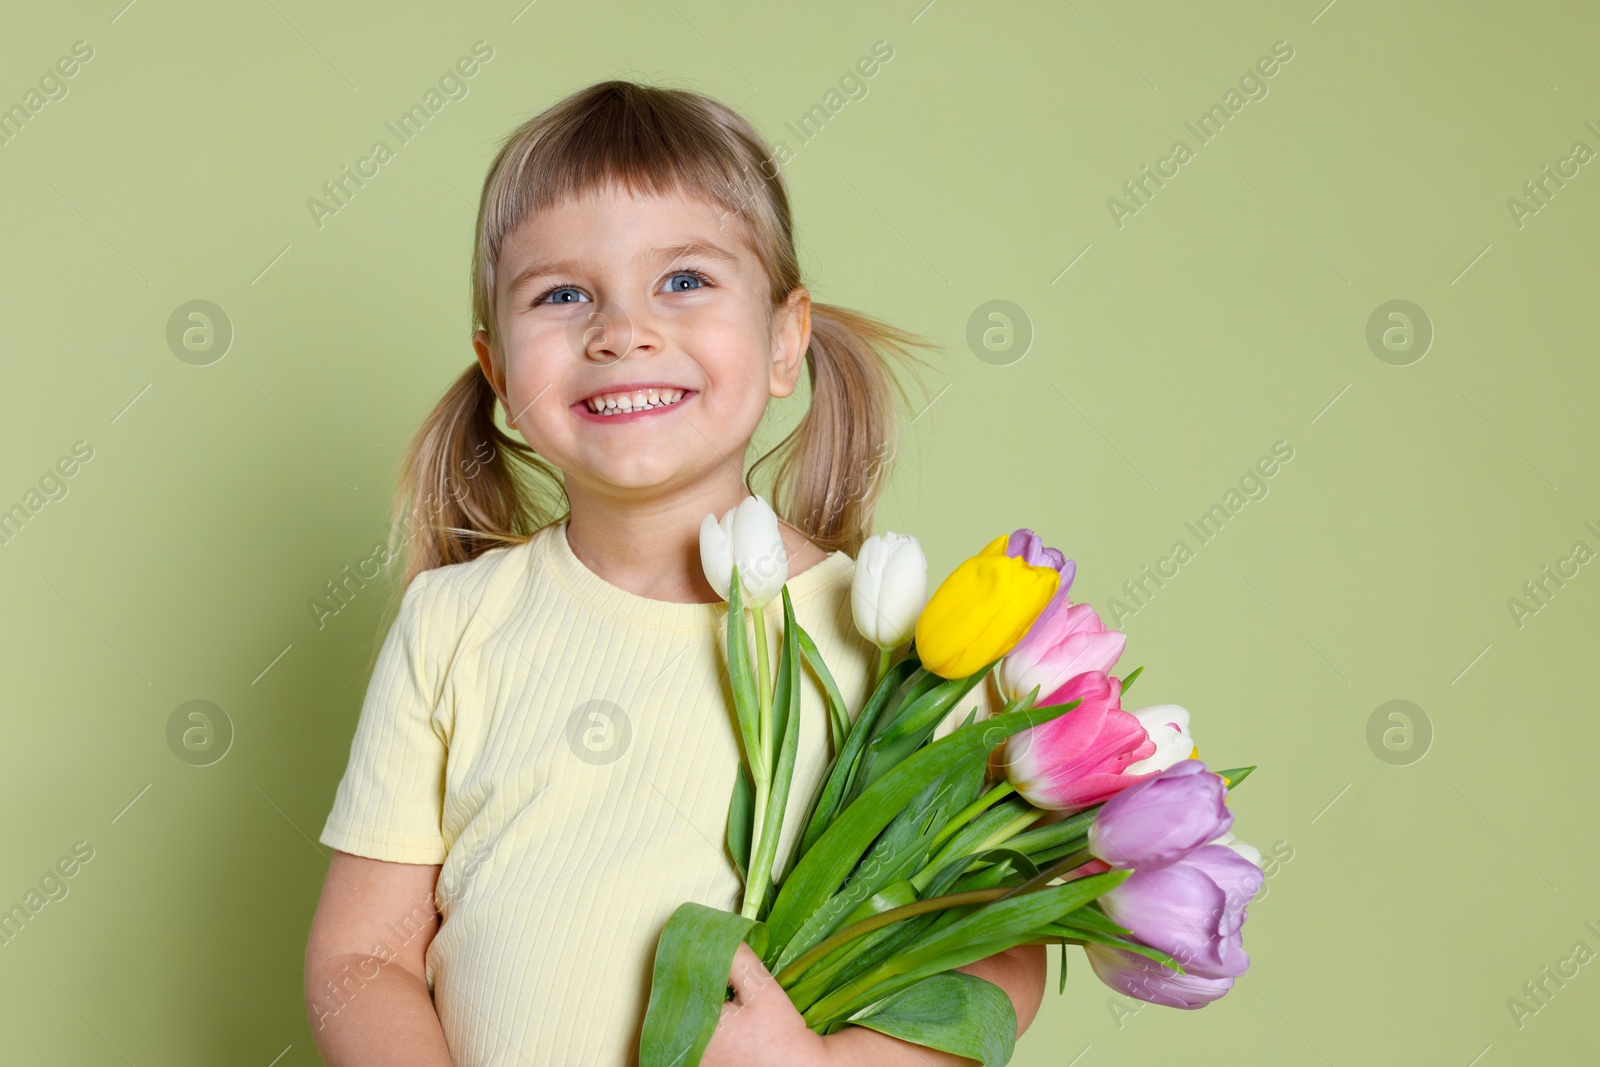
748	974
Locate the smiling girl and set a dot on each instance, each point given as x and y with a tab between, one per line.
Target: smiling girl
543	762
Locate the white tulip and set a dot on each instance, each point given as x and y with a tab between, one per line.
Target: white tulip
747	535
1248	851
1168	726
890	588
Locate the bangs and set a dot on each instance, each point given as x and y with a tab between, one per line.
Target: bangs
647	142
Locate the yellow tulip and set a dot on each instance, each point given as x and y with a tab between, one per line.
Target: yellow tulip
982	610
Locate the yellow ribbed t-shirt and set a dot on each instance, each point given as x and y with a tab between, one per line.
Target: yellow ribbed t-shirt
566	750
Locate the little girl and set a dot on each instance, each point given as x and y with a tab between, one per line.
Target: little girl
544	759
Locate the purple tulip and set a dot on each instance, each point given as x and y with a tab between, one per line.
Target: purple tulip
1030	547
1193	910
1144	979
1157	821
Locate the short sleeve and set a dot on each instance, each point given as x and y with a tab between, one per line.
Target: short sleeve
391	798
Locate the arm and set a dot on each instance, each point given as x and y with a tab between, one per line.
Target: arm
1020	971
367	999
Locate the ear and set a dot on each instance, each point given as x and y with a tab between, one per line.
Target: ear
791	336
491	368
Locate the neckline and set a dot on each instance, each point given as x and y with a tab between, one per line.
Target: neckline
613	600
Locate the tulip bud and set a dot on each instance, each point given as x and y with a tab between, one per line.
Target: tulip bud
1243	848
1078	759
1066	640
1144	979
747	535
981	611
890	588
1157	821
1193	910
1168	726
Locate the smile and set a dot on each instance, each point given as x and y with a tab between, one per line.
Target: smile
620	404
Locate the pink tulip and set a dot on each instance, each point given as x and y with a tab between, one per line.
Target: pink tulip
1078	759
1066	640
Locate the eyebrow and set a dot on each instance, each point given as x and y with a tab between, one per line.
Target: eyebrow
662	254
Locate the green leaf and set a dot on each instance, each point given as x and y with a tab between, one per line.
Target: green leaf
741	675
990	928
1056	833
896	854
1080	933
970	836
842	772
921	684
1045	856
1235	775
1020	863
688	986
786	728
895	895
880	944
1128	681
840	847
956	1012
914	724
1062	991
838	714
1091	917
740	819
862	954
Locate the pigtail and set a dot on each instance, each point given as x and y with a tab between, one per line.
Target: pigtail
831	468
462	489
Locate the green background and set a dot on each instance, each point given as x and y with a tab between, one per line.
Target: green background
1230	312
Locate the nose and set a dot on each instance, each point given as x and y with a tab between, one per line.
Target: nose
609	331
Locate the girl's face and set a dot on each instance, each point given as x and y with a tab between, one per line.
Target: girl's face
610	296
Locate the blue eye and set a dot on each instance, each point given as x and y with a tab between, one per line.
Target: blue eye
699	279
554	295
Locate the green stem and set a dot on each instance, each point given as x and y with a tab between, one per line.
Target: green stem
1066	865
763	681
884	655
972	811
999	837
755	887
883	918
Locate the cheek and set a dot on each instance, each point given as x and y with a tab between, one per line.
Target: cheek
535	362
731	348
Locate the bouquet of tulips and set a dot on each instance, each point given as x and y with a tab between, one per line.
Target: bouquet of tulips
1095	826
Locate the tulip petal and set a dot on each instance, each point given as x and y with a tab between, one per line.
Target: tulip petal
1144	979
716	555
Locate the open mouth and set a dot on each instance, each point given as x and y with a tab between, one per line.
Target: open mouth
631	401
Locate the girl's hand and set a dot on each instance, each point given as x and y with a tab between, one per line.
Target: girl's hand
760	1026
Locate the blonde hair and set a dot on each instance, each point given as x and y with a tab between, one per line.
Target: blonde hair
465	486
